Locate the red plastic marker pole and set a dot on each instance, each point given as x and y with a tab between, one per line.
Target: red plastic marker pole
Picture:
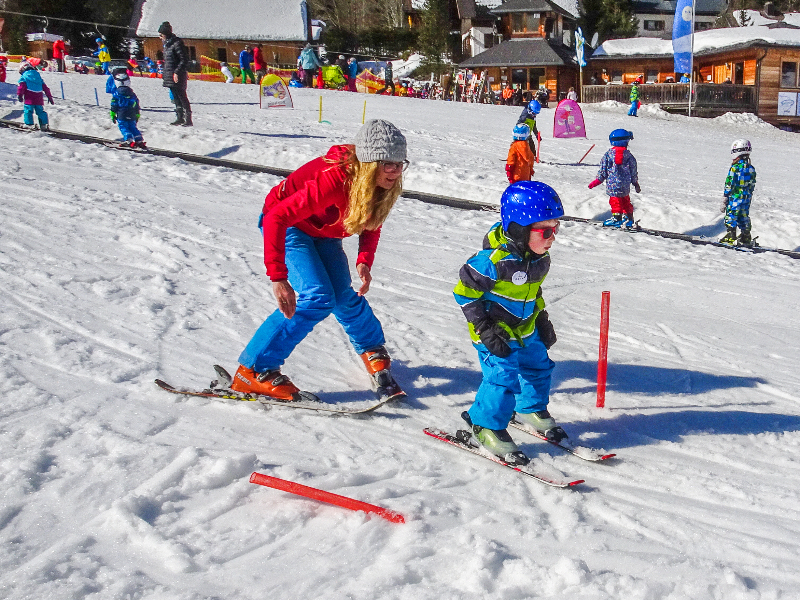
587	153
315	494
602	361
539	147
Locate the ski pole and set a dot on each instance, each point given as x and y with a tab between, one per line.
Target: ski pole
364	115
320	109
587	154
322	496
96	97
539	146
602	362
62	89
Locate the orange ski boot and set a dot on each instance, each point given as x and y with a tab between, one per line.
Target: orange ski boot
272	384
378	366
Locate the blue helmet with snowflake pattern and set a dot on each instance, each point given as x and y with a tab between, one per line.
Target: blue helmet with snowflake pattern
528	202
521	131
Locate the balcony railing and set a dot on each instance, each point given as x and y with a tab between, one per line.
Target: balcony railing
675	96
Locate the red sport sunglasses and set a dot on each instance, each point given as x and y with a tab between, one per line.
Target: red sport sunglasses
548	232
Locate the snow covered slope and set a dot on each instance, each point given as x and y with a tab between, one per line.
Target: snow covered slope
119	267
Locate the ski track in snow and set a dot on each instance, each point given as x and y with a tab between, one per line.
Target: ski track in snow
118	268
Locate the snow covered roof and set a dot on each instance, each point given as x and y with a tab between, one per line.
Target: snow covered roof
701	7
254	20
756	18
705	42
567	7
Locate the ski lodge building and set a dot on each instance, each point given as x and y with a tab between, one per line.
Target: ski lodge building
220	30
753	69
538	47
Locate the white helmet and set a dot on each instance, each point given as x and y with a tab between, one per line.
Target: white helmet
740	147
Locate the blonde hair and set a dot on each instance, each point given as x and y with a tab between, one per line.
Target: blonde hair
369	205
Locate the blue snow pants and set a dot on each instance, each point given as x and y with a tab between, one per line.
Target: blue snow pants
634	109
27	114
129	130
320	276
518	383
738	216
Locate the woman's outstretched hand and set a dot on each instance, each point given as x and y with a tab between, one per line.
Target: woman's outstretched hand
366	278
287	300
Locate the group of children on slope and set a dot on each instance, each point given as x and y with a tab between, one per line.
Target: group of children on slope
500	287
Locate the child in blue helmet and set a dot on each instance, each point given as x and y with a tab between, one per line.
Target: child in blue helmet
500	294
528	117
125	108
619	170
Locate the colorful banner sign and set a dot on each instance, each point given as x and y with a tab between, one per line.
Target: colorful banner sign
568	120
274	93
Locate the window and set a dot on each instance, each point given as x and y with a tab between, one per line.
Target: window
192	52
738	73
222	55
518	76
537	78
703	25
652	76
616	76
789	75
653	25
525	22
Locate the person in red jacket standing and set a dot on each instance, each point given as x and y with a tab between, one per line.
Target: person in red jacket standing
259	66
350	190
58	55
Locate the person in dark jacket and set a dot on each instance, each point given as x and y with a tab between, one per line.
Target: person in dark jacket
175	73
388	79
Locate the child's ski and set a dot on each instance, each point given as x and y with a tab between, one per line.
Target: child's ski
220	389
590	454
461	440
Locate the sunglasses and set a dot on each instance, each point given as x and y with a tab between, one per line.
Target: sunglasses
548	232
393	167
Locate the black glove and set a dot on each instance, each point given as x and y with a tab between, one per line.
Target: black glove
20	98
494	337
637	187
50	100
545	328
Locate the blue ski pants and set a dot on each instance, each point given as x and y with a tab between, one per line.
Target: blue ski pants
634	109
518	383
27	114
129	130
320	276
738	216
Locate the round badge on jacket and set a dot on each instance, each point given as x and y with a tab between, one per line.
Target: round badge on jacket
519	278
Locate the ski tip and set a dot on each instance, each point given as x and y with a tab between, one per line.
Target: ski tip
576	482
163	384
607	456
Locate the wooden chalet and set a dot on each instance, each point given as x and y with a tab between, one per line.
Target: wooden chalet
220	30
538	47
741	69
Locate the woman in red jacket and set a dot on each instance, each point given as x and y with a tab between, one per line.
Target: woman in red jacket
350	190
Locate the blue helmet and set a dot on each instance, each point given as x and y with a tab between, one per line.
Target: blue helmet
620	137
521	131
528	202
534	107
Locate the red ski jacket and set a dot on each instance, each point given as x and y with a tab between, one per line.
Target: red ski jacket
314	199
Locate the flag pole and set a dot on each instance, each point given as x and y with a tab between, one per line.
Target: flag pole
691	63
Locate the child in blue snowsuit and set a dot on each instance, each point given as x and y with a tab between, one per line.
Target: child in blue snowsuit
500	294
32	90
125	108
739	186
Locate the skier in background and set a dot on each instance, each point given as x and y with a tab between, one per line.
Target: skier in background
352	68
619	170
175	73
528	117
634	100
103	55
125	108
739	186
350	190
31	90
519	164
3	64
226	71
245	58
309	63
259	65
388	79
500	294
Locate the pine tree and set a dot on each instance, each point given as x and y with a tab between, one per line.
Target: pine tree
434	35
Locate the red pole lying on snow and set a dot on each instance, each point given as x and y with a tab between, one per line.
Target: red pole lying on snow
322	496
602	361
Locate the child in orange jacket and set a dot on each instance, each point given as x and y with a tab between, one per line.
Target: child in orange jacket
519	165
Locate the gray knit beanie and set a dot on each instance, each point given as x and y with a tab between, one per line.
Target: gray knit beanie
380	140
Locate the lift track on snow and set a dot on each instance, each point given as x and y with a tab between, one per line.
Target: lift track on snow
421	196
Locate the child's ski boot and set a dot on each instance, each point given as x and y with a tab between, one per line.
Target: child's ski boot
627	222
730	237
746	240
271	383
498	442
544	423
378	366
614	221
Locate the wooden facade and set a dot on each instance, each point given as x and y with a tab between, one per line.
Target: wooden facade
276	53
764	67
